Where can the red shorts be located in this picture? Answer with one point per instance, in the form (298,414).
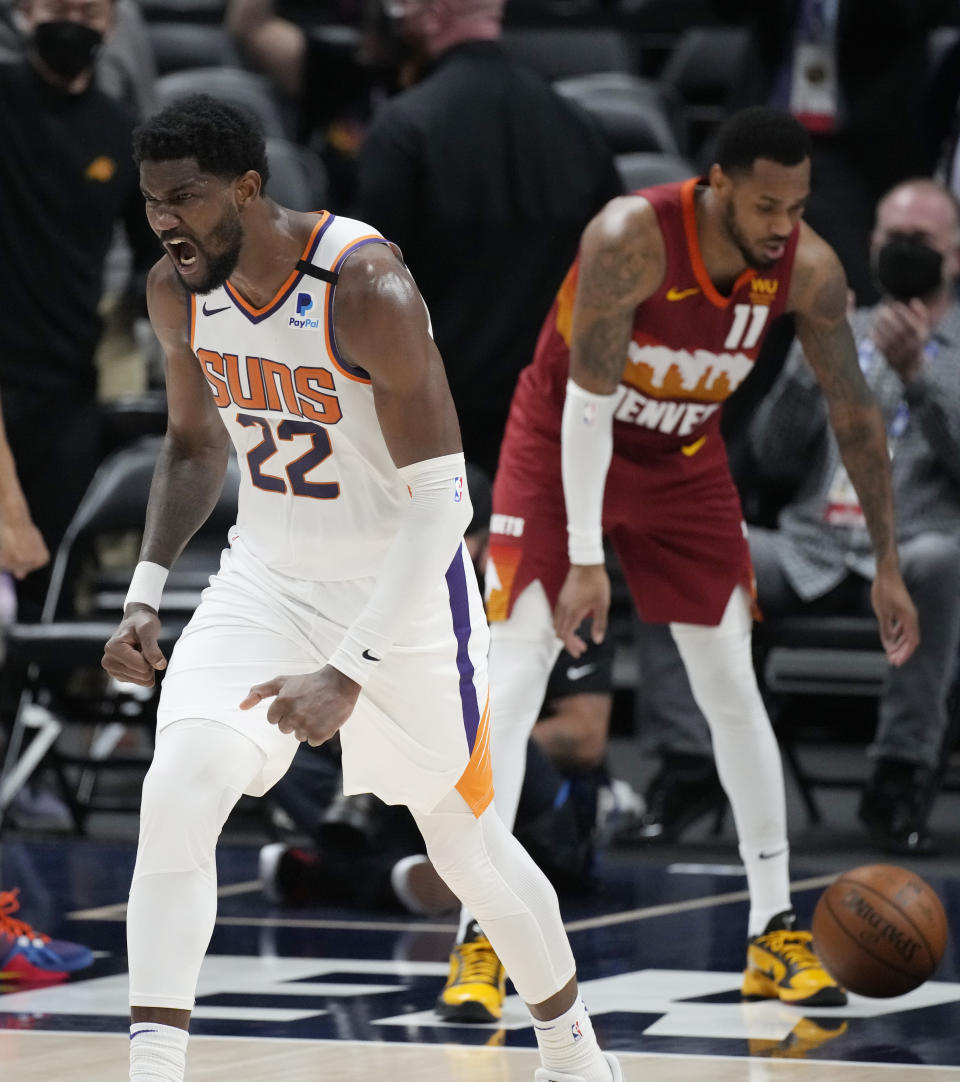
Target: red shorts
(674,521)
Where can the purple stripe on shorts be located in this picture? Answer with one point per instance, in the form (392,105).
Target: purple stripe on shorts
(460,611)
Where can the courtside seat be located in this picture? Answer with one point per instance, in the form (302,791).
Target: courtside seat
(52,677)
(194,11)
(815,656)
(702,71)
(298,178)
(634,114)
(647,168)
(821,655)
(243,89)
(178,46)
(558,52)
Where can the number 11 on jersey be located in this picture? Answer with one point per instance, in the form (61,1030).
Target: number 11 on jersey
(748,323)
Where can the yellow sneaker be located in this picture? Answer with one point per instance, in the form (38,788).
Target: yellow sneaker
(477,985)
(781,965)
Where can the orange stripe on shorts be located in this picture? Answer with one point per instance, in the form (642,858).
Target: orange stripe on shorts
(476,782)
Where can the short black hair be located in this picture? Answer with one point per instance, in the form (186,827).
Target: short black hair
(761,132)
(224,140)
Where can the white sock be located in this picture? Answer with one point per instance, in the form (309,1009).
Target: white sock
(768,879)
(466,919)
(157,1053)
(568,1044)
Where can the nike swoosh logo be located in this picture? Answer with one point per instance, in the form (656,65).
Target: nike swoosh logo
(578,672)
(213,311)
(367,656)
(680,294)
(692,448)
(775,853)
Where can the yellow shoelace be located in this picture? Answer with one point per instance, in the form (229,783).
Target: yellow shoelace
(479,964)
(794,947)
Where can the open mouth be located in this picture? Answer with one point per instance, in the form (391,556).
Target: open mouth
(182,252)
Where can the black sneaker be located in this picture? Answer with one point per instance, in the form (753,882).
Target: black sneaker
(895,804)
(686,789)
(289,876)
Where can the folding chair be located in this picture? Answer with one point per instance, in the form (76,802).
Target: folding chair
(816,655)
(827,655)
(80,612)
(558,52)
(634,114)
(298,178)
(243,89)
(645,169)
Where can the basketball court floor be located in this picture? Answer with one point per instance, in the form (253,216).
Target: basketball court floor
(327,995)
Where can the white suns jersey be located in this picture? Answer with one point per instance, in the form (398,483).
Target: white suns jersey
(320,496)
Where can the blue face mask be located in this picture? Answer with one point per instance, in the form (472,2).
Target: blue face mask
(67,48)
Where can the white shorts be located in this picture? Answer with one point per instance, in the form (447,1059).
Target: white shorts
(421,725)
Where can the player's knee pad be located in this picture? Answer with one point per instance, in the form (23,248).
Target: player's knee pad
(198,772)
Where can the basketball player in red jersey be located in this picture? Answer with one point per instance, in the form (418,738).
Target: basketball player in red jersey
(618,420)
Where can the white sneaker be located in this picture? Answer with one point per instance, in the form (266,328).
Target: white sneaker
(617,805)
(268,862)
(419,888)
(545,1075)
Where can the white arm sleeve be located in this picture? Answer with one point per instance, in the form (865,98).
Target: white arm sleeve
(427,541)
(586,448)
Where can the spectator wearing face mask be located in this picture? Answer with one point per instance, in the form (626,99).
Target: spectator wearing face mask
(819,561)
(66,177)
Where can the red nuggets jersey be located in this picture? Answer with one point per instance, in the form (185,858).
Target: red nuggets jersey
(670,506)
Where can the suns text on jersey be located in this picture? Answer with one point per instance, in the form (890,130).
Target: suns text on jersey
(258,383)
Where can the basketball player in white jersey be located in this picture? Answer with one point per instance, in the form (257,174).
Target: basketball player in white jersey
(345,601)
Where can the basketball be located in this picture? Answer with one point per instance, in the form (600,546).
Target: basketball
(880,930)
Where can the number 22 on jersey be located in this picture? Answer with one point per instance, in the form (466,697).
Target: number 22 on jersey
(288,430)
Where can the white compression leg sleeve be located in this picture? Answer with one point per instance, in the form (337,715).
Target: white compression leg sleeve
(719,664)
(199,770)
(495,877)
(523,650)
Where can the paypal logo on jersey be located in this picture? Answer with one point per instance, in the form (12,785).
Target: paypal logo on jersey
(301,319)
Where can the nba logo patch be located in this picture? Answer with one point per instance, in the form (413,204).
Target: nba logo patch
(576,1032)
(458,490)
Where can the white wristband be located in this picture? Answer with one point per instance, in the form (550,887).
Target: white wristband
(586,447)
(146,585)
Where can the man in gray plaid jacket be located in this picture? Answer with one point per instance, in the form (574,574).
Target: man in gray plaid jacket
(819,559)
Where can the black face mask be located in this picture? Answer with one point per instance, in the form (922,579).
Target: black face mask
(67,48)
(908,268)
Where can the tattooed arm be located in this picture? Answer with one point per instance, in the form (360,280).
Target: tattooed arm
(622,262)
(818,298)
(187,479)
